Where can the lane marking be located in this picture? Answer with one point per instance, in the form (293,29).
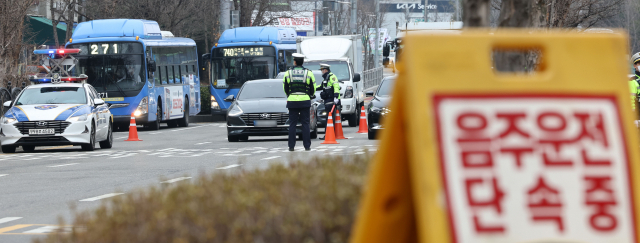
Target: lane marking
(15,227)
(359,153)
(42,230)
(122,137)
(268,158)
(101,197)
(177,179)
(155,133)
(202,143)
(7,219)
(62,165)
(228,167)
(4,175)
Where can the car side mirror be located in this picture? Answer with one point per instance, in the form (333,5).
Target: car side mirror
(356,77)
(98,102)
(151,65)
(369,93)
(230,98)
(7,104)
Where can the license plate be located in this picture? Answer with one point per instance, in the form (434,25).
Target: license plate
(265,123)
(42,131)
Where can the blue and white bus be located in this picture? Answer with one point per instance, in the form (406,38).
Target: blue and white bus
(139,70)
(244,54)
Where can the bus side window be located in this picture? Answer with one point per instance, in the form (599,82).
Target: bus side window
(178,74)
(170,74)
(158,76)
(164,75)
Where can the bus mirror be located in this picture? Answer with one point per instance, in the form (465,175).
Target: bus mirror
(151,65)
(206,57)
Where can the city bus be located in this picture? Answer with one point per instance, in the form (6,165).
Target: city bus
(139,70)
(247,53)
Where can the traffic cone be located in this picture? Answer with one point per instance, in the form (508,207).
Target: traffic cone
(133,130)
(338,128)
(329,136)
(363,122)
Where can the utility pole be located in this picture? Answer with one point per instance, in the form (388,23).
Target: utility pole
(354,12)
(377,40)
(426,10)
(225,15)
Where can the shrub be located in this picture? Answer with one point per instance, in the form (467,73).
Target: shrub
(205,99)
(311,201)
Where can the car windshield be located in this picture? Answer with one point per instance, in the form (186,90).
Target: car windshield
(339,68)
(52,95)
(316,74)
(386,87)
(117,75)
(261,90)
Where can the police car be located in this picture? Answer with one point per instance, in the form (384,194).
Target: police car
(56,111)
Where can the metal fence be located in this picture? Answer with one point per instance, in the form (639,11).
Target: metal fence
(372,77)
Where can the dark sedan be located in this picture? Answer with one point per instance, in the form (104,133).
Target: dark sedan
(377,108)
(260,110)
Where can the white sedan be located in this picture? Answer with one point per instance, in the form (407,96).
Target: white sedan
(56,114)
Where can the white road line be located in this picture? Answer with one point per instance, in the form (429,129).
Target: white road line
(348,137)
(359,153)
(101,197)
(62,165)
(122,137)
(155,133)
(7,219)
(42,230)
(202,143)
(4,175)
(177,179)
(228,167)
(268,158)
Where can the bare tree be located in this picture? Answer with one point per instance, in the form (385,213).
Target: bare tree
(476,13)
(12,18)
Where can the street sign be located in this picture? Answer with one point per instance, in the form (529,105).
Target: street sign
(475,155)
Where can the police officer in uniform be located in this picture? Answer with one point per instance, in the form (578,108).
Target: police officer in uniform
(634,82)
(299,85)
(330,90)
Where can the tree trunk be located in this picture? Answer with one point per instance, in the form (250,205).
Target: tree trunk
(54,24)
(476,13)
(70,8)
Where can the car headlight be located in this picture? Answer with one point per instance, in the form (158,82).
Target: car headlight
(375,109)
(7,120)
(348,94)
(214,103)
(235,111)
(324,113)
(385,111)
(143,107)
(78,118)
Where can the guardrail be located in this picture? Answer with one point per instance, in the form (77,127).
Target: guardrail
(372,77)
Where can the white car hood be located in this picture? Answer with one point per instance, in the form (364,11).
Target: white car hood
(58,112)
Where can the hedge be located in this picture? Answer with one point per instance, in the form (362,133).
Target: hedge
(205,100)
(306,201)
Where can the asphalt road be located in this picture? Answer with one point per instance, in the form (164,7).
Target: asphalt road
(36,188)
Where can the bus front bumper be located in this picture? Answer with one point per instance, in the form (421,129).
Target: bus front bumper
(122,120)
(218,112)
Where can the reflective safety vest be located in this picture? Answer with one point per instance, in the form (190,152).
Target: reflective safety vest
(634,92)
(299,81)
(330,87)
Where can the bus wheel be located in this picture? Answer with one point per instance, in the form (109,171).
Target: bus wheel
(155,125)
(172,123)
(184,121)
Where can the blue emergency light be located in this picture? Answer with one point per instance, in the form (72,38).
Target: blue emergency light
(56,51)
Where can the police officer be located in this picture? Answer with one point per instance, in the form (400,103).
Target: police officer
(634,82)
(330,90)
(299,85)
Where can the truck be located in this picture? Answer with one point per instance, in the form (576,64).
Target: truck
(344,54)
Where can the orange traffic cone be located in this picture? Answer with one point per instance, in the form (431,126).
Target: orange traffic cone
(133,130)
(329,136)
(338,128)
(363,122)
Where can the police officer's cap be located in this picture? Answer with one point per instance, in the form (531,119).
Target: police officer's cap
(297,56)
(635,58)
(324,66)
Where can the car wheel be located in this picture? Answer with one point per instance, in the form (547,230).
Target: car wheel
(92,140)
(184,121)
(8,149)
(353,120)
(314,133)
(28,148)
(233,138)
(371,134)
(109,142)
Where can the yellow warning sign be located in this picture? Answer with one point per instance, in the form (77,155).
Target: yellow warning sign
(472,154)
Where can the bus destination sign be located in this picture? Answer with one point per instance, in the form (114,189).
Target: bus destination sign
(243,51)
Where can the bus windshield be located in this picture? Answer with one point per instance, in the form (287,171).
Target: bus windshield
(115,70)
(339,68)
(232,67)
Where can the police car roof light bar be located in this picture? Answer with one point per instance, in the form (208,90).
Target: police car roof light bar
(56,51)
(58,59)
